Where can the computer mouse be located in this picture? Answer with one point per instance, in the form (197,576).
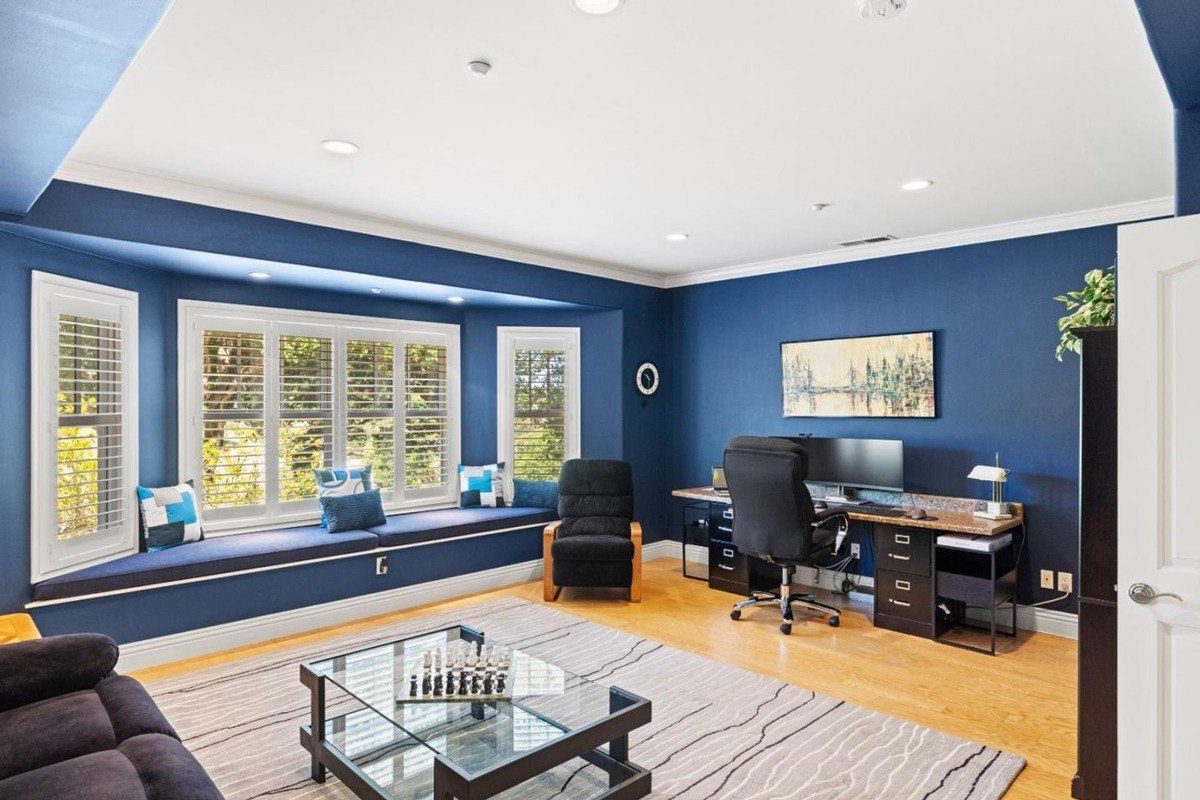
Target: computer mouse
(820,504)
(916,513)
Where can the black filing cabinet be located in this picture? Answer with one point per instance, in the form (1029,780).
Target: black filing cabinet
(903,588)
(728,569)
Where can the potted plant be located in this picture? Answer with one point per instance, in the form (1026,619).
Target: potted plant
(1094,306)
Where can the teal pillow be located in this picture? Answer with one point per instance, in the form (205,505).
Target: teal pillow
(535,494)
(352,512)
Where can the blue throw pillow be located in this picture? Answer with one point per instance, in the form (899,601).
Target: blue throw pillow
(170,516)
(352,512)
(338,482)
(535,494)
(481,486)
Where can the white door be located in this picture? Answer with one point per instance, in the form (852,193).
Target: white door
(1158,320)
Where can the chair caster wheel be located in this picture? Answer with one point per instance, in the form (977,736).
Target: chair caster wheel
(835,622)
(786,629)
(735,614)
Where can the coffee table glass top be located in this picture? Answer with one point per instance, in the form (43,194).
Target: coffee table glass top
(394,738)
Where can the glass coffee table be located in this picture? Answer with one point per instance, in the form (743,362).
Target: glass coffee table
(388,737)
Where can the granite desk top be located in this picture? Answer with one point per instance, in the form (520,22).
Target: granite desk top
(945,513)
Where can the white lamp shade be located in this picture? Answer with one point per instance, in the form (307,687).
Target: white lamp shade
(986,473)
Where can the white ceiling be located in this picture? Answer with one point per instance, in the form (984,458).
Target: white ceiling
(594,136)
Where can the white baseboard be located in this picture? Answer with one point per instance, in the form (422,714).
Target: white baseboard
(1041,620)
(190,644)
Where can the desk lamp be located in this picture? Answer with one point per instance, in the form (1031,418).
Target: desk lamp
(998,476)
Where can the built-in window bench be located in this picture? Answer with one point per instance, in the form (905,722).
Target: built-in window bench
(221,556)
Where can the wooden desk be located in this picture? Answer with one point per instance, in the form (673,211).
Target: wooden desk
(17,628)
(905,550)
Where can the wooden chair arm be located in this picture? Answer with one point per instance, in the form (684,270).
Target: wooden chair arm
(635,533)
(551,531)
(635,588)
(548,536)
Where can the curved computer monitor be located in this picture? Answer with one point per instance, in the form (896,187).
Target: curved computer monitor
(856,463)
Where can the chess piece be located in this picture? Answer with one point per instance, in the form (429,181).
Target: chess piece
(427,684)
(412,686)
(437,684)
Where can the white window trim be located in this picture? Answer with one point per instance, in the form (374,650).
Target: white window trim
(48,556)
(507,340)
(399,331)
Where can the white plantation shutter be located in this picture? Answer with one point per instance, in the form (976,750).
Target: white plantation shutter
(270,395)
(305,420)
(538,405)
(426,416)
(233,399)
(84,394)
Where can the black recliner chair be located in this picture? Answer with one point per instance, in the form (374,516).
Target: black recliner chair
(596,543)
(774,518)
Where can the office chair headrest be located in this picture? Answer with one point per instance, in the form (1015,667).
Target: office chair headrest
(770,444)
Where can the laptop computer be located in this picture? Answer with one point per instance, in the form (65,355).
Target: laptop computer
(718,481)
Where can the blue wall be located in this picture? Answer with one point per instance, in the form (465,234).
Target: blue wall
(998,384)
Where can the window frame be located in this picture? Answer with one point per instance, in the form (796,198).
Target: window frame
(52,295)
(508,339)
(195,316)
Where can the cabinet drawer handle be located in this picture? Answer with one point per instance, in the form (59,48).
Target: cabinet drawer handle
(899,558)
(723,529)
(728,553)
(727,513)
(902,538)
(725,567)
(904,586)
(900,603)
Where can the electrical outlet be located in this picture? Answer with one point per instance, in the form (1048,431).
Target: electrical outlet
(855,550)
(1047,579)
(381,565)
(1064,582)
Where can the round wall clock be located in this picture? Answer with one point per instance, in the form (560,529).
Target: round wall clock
(647,379)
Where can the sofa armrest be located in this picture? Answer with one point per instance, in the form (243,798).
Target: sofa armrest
(42,668)
(635,588)
(548,536)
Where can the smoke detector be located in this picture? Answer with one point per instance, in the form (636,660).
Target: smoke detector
(882,9)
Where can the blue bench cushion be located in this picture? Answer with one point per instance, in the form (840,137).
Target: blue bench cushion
(428,526)
(212,556)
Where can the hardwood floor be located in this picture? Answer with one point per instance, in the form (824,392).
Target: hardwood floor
(1022,701)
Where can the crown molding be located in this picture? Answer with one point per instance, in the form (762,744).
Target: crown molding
(1108,215)
(185,191)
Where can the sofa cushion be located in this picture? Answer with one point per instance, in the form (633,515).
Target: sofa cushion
(585,547)
(40,668)
(130,709)
(427,526)
(46,732)
(212,556)
(99,776)
(167,770)
(606,574)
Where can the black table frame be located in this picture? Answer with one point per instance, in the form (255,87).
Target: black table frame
(627,781)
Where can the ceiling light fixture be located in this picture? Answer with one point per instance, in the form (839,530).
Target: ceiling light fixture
(597,6)
(881,9)
(340,147)
(916,186)
(820,206)
(456,300)
(677,237)
(261,276)
(376,290)
(479,68)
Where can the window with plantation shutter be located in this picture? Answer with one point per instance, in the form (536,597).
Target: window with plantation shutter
(538,400)
(270,395)
(426,416)
(84,408)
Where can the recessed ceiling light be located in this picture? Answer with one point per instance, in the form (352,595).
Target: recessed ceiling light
(340,147)
(916,186)
(456,300)
(479,68)
(677,237)
(597,6)
(261,276)
(376,290)
(820,206)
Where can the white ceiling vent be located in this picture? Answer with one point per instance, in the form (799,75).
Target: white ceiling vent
(871,240)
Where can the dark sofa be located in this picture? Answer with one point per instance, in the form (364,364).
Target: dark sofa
(72,729)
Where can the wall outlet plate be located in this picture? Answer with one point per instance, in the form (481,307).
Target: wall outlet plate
(1047,579)
(1064,582)
(855,550)
(381,565)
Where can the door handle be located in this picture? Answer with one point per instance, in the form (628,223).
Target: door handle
(1142,594)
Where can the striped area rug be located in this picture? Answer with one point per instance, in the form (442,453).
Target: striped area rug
(718,731)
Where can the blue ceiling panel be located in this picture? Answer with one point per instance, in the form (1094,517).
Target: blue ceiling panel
(1173,27)
(59,60)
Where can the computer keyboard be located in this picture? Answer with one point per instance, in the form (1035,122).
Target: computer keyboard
(881,511)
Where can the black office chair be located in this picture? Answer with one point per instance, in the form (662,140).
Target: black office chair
(774,519)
